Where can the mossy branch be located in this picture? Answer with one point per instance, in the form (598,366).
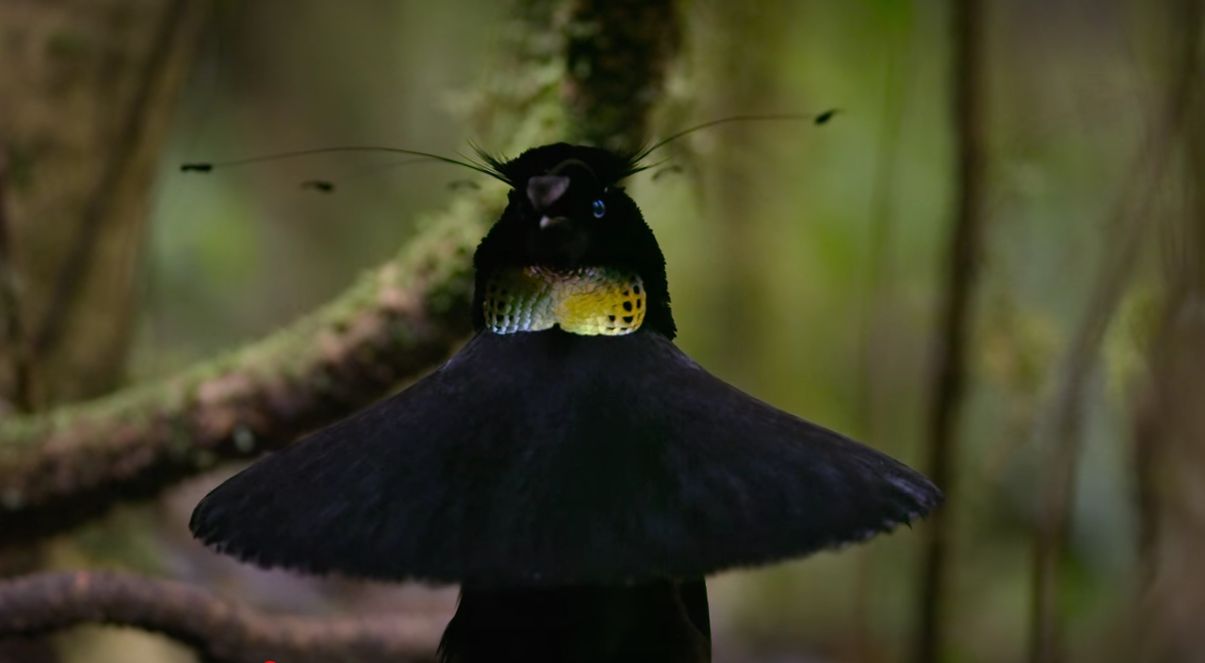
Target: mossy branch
(219,630)
(616,56)
(60,468)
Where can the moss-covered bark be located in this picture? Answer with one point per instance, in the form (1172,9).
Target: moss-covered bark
(616,54)
(72,463)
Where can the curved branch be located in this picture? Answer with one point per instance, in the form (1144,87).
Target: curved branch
(61,468)
(218,629)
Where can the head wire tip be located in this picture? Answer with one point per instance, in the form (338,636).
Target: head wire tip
(322,186)
(824,117)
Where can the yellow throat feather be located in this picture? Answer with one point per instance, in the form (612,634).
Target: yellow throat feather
(592,301)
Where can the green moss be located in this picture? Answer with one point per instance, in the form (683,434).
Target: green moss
(19,166)
(67,45)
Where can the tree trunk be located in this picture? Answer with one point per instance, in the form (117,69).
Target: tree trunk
(1169,422)
(96,80)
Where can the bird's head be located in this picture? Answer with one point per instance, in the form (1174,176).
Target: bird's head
(571,249)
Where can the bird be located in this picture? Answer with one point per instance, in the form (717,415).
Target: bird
(574,471)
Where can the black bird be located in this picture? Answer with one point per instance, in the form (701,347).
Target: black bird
(573,470)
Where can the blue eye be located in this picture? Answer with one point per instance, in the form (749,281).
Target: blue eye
(600,208)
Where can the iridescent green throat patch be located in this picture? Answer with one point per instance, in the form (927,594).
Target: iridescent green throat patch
(591,301)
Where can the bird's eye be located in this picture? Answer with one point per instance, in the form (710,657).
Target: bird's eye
(600,208)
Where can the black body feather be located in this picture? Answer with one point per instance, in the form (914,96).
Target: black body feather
(663,622)
(548,459)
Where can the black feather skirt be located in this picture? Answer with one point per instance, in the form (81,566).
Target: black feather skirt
(551,459)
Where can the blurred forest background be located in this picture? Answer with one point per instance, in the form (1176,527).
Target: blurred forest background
(1059,348)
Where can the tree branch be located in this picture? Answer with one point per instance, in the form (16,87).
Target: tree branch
(58,469)
(221,631)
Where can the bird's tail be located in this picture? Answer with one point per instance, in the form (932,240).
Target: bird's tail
(665,622)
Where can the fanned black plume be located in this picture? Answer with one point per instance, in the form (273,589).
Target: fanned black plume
(551,459)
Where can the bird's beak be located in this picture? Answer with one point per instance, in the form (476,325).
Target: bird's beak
(547,222)
(544,191)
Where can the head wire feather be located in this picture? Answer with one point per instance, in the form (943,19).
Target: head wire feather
(207,166)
